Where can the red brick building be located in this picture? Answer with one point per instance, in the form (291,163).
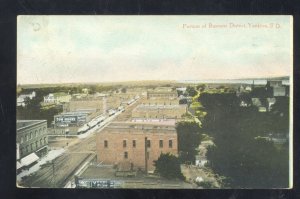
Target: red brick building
(132,142)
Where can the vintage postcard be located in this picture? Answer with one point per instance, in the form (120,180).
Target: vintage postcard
(154,102)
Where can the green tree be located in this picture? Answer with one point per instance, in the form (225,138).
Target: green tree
(183,101)
(239,154)
(168,166)
(191,91)
(201,87)
(189,138)
(205,184)
(123,90)
(255,163)
(179,93)
(280,115)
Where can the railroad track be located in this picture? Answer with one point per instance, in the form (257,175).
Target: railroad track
(66,165)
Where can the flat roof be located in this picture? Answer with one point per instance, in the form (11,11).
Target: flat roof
(74,113)
(168,122)
(152,106)
(27,123)
(141,125)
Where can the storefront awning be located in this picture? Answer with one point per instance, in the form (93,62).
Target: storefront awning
(29,159)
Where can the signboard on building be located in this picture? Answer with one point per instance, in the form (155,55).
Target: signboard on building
(66,119)
(97,183)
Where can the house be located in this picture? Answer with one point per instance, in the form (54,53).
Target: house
(279,91)
(21,99)
(57,98)
(248,88)
(85,90)
(256,102)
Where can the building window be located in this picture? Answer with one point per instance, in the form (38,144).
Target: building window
(36,144)
(133,143)
(31,147)
(27,148)
(40,131)
(126,155)
(41,142)
(21,139)
(45,140)
(21,151)
(170,143)
(124,143)
(105,144)
(35,133)
(161,143)
(26,137)
(148,143)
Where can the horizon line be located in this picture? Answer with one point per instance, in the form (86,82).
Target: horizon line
(182,80)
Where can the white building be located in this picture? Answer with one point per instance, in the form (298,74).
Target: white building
(183,89)
(279,91)
(21,98)
(56,98)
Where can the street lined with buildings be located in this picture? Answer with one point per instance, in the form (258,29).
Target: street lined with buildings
(68,163)
(112,140)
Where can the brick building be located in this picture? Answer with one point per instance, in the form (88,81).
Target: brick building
(93,103)
(161,101)
(32,141)
(166,93)
(122,142)
(159,111)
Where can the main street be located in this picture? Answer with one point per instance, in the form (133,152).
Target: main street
(62,169)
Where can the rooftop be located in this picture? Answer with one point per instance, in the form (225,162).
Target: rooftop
(26,123)
(75,113)
(162,90)
(160,106)
(142,125)
(169,122)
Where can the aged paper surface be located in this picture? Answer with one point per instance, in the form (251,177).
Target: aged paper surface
(173,102)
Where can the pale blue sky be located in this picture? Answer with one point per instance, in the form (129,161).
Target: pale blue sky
(61,49)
